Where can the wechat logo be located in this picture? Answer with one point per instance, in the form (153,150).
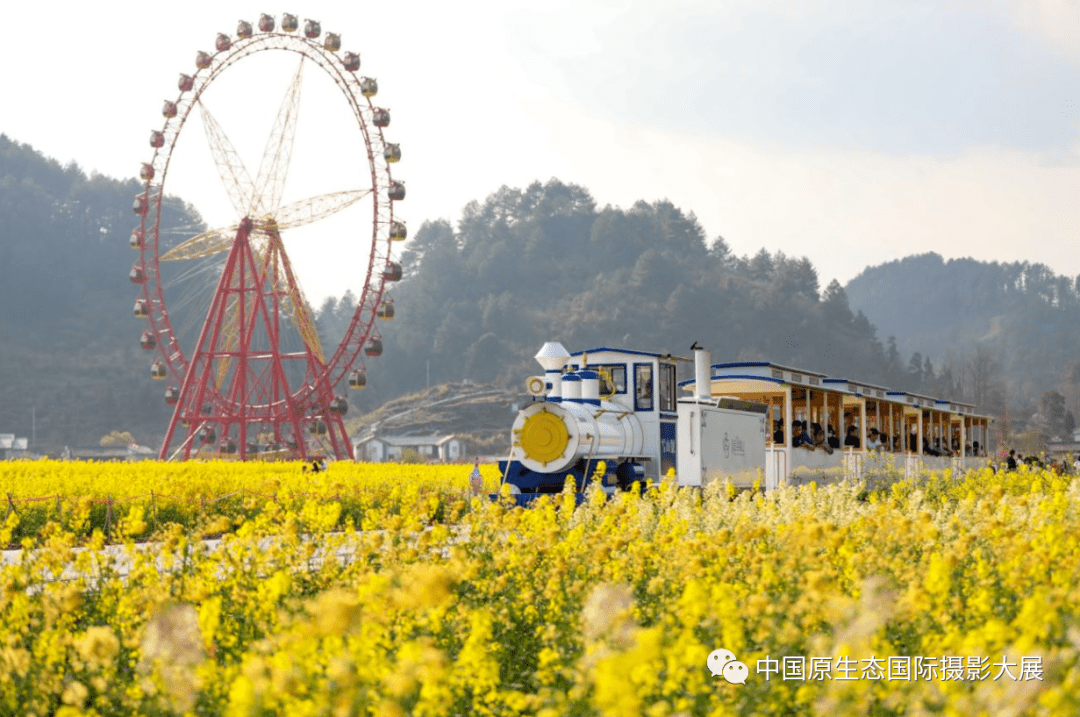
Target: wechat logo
(723,662)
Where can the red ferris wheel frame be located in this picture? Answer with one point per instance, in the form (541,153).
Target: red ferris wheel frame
(229,391)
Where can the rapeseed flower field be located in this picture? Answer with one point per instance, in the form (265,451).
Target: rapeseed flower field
(389,590)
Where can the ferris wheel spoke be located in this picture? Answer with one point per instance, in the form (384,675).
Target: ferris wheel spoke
(304,322)
(274,167)
(315,208)
(208,243)
(230,340)
(230,329)
(300,315)
(231,169)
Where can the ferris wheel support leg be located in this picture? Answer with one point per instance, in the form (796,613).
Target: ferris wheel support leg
(242,363)
(194,386)
(164,452)
(339,438)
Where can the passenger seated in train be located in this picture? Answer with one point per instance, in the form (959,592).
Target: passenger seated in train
(818,438)
(799,437)
(833,441)
(873,441)
(852,438)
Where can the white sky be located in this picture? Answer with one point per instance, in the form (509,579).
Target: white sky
(849,132)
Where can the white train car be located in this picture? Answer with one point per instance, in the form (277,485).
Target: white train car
(913,432)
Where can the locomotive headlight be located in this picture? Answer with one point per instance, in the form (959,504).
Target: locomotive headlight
(543,437)
(536,386)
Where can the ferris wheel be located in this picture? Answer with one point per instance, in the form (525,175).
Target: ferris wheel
(249,372)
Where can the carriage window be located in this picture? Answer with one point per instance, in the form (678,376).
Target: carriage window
(612,378)
(643,396)
(667,387)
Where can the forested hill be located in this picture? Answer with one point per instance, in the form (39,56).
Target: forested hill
(546,263)
(1023,315)
(69,348)
(479,297)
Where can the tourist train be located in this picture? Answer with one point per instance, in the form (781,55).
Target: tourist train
(616,416)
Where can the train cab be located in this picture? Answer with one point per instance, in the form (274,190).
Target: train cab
(606,414)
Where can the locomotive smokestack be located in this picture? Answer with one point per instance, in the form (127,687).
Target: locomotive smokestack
(552,357)
(702,372)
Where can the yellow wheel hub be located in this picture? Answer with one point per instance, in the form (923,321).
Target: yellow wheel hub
(543,437)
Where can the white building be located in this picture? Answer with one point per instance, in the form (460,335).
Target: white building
(12,447)
(379,449)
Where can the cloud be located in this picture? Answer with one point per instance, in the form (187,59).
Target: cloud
(844,209)
(1055,20)
(897,78)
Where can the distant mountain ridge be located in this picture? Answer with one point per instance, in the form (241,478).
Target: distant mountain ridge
(1026,316)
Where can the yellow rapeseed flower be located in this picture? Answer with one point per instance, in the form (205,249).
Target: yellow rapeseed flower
(99,646)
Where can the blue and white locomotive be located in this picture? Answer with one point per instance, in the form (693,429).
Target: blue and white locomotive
(614,414)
